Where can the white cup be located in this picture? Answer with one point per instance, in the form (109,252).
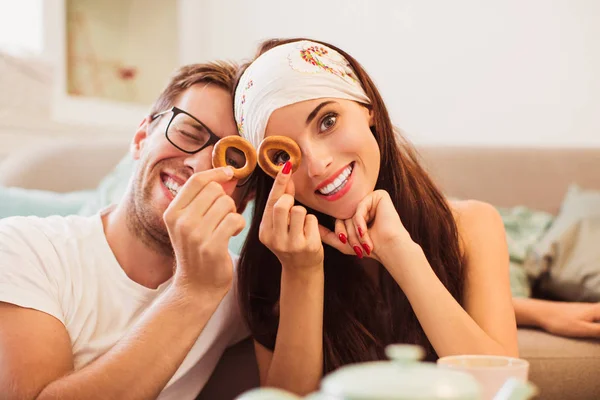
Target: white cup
(491,372)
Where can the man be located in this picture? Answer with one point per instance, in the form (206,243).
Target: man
(137,301)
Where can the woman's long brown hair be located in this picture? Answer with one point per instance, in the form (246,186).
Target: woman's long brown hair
(360,318)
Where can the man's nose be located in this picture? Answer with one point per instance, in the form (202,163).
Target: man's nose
(200,161)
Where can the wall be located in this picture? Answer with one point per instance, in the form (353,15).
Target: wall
(26,87)
(515,73)
(120,50)
(462,72)
(17,37)
(34,107)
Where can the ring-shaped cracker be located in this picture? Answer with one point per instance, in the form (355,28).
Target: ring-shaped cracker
(220,152)
(283,143)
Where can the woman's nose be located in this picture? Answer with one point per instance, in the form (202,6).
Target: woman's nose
(317,160)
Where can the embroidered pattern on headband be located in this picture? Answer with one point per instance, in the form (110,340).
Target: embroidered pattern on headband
(240,124)
(287,74)
(314,58)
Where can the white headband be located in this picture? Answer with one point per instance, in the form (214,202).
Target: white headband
(288,74)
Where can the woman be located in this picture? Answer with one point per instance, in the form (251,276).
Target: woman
(357,248)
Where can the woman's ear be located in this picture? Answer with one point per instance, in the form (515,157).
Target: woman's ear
(371,118)
(139,139)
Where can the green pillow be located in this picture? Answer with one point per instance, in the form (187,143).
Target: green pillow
(524,228)
(17,201)
(236,243)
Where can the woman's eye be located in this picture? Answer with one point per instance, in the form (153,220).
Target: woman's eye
(328,122)
(281,157)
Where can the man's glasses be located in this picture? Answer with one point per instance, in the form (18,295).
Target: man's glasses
(188,134)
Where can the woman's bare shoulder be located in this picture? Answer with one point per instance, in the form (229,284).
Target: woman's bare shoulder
(477,222)
(465,209)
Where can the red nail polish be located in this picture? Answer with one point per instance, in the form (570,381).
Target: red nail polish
(287,167)
(367,248)
(358,251)
(343,238)
(360,232)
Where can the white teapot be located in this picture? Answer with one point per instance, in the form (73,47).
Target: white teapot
(403,378)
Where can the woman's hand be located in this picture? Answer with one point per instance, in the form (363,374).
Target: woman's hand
(375,230)
(287,230)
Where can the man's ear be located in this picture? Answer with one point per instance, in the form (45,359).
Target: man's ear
(139,139)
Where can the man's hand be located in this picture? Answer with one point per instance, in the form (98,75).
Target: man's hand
(201,220)
(572,319)
(568,319)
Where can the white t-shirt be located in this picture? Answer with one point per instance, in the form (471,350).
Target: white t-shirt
(64,267)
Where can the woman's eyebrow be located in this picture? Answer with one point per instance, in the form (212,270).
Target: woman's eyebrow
(314,112)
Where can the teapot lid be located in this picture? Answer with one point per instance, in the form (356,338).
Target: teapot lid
(402,378)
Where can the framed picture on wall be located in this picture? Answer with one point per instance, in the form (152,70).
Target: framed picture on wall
(112,57)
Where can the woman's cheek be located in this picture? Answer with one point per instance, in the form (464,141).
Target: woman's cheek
(301,187)
(352,139)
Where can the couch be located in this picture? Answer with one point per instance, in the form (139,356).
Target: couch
(562,368)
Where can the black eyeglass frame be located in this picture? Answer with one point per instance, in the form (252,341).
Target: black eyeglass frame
(213,139)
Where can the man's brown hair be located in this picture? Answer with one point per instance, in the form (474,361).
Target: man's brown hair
(220,73)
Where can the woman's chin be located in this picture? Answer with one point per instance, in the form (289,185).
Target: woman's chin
(344,213)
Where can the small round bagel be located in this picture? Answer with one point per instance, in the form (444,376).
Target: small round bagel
(219,158)
(282,143)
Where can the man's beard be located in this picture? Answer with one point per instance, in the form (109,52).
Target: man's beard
(143,220)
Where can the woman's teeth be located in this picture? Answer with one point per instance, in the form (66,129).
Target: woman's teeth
(172,186)
(338,183)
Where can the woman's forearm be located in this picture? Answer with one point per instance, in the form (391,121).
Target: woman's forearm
(449,328)
(297,363)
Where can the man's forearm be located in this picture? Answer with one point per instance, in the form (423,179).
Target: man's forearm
(143,361)
(528,311)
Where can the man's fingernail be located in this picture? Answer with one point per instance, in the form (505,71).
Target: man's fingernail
(367,248)
(360,232)
(358,251)
(287,168)
(343,238)
(229,171)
